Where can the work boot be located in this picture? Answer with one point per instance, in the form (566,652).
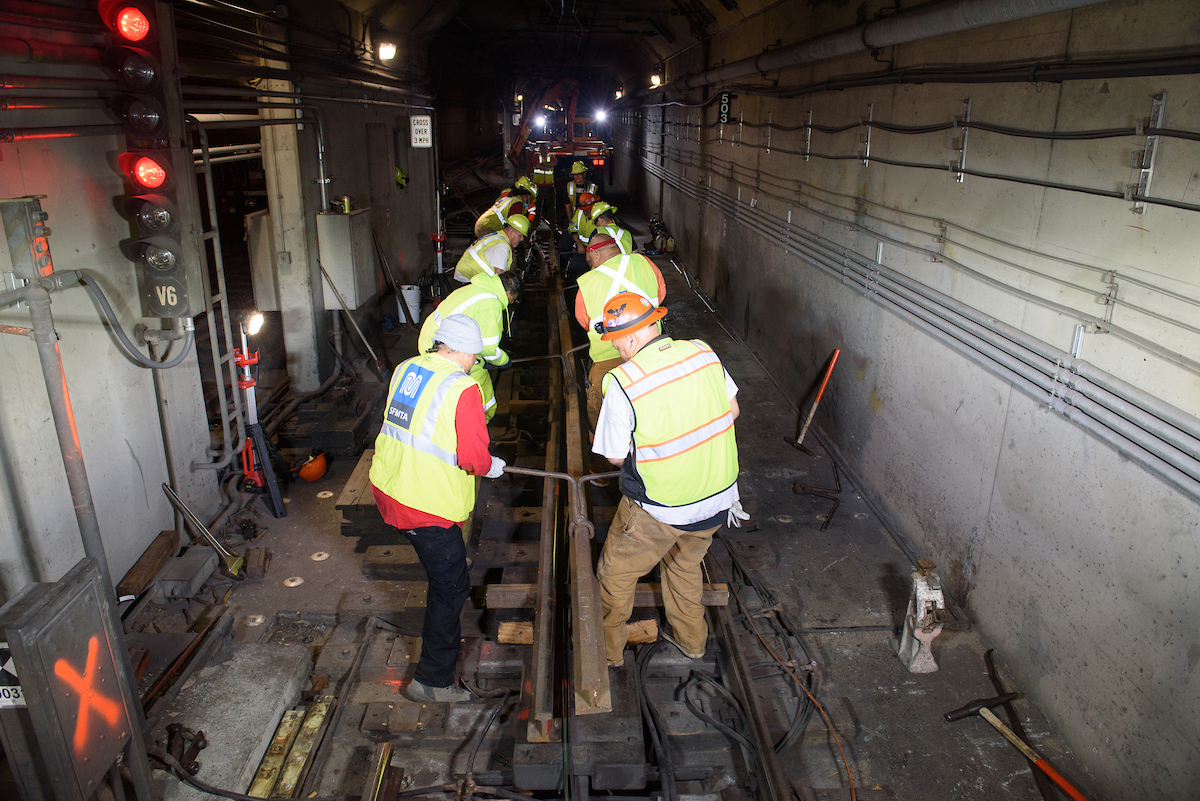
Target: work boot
(423,693)
(662,633)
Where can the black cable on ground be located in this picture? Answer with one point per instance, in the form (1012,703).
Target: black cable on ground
(696,677)
(666,767)
(483,734)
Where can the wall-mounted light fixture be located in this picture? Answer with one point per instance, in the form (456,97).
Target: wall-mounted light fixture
(387,51)
(620,93)
(655,79)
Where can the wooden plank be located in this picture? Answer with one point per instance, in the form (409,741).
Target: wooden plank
(524,596)
(516,633)
(357,492)
(148,565)
(642,631)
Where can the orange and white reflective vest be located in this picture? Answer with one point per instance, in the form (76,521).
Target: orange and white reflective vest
(684,449)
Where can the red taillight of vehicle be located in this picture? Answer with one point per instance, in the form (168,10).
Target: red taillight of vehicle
(132,24)
(148,172)
(597,162)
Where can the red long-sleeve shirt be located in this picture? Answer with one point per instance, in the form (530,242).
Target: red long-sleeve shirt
(470,427)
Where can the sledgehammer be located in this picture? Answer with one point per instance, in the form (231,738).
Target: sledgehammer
(980,706)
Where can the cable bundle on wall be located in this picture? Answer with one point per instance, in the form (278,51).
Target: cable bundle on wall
(1156,434)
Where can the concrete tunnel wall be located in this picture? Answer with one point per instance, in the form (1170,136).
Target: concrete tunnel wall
(113,398)
(1078,564)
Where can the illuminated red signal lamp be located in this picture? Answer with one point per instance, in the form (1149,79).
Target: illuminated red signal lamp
(597,162)
(131,24)
(144,170)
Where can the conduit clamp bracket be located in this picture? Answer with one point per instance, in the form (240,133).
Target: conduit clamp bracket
(808,136)
(1143,160)
(961,144)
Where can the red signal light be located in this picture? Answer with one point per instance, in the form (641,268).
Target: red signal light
(132,24)
(597,162)
(148,172)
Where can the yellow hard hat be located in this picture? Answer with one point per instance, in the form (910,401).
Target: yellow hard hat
(525,182)
(520,222)
(603,208)
(578,169)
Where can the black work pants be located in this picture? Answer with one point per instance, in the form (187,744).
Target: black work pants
(444,557)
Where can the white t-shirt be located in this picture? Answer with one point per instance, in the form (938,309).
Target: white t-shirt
(497,258)
(614,440)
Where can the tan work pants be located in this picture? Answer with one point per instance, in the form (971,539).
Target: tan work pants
(636,543)
(595,398)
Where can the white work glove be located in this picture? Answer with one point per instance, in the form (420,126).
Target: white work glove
(736,515)
(498,469)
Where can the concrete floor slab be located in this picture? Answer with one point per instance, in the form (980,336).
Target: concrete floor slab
(237,700)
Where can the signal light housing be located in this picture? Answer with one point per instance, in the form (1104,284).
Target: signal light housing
(142,116)
(154,215)
(145,170)
(136,69)
(597,162)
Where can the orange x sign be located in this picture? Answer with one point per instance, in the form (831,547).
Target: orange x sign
(88,697)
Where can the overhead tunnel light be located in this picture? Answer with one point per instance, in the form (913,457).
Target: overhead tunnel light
(655,79)
(540,121)
(387,51)
(601,115)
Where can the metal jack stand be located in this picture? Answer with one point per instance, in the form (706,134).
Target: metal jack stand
(256,459)
(823,492)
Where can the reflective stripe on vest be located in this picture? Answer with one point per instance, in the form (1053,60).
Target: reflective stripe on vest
(619,284)
(462,308)
(641,383)
(683,447)
(423,442)
(622,237)
(684,442)
(416,460)
(476,250)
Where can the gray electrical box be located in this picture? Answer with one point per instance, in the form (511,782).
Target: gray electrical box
(348,255)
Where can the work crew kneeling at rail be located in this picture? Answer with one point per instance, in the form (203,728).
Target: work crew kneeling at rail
(493,253)
(434,439)
(485,300)
(581,230)
(667,422)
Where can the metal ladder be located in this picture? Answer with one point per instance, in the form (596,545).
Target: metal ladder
(234,441)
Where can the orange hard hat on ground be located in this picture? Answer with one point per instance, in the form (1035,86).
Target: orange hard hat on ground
(314,468)
(587,199)
(626,313)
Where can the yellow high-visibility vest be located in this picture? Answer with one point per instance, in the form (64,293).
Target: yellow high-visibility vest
(684,449)
(416,452)
(619,274)
(493,219)
(473,262)
(484,301)
(623,238)
(574,190)
(543,171)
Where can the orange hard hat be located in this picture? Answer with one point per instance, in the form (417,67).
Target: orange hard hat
(314,468)
(587,199)
(626,313)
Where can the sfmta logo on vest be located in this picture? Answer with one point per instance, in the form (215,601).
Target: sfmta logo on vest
(408,392)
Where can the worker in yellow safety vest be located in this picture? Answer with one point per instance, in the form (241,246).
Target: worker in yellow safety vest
(517,199)
(578,185)
(485,300)
(604,218)
(611,273)
(667,422)
(433,442)
(492,254)
(543,180)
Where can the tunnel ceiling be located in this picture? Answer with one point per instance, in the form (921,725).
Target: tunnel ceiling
(528,43)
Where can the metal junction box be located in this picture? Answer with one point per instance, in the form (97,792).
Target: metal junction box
(347,252)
